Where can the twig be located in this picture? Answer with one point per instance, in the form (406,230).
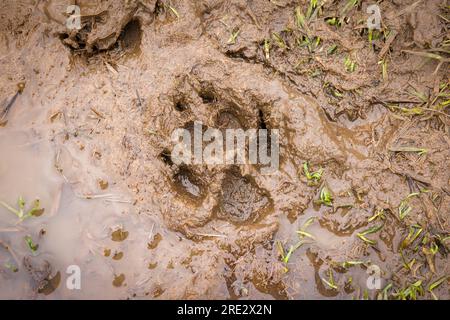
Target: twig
(211,235)
(8,107)
(388,43)
(107,197)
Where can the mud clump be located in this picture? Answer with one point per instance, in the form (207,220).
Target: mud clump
(110,25)
(40,271)
(241,199)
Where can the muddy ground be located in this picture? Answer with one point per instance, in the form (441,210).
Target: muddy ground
(86,122)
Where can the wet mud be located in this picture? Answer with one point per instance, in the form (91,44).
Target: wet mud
(86,119)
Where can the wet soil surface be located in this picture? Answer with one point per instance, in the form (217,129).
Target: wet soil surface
(86,123)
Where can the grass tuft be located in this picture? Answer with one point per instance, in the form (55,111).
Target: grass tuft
(21,213)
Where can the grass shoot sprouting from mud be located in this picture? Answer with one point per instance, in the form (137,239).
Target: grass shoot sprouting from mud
(435,285)
(20,212)
(330,281)
(332,49)
(279,41)
(334,21)
(411,292)
(267,49)
(302,234)
(302,20)
(426,105)
(349,64)
(173,10)
(378,215)
(11,267)
(233,36)
(404,208)
(427,246)
(325,197)
(350,5)
(311,43)
(384,68)
(312,6)
(30,243)
(384,294)
(371,230)
(348,264)
(313,177)
(285,256)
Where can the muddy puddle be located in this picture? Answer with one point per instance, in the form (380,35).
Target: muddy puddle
(94,205)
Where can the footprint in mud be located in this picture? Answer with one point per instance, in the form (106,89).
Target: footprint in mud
(241,199)
(130,37)
(214,191)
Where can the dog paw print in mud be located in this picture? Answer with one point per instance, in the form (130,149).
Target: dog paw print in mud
(206,195)
(229,201)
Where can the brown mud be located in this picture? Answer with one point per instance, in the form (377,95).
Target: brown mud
(89,134)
